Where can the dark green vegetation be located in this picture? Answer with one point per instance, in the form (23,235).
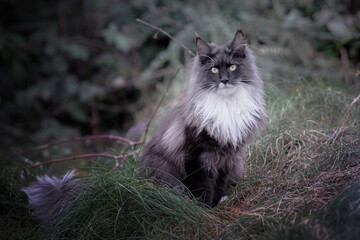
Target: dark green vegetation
(74,68)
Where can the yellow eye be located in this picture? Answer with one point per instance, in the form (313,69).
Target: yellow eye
(214,70)
(232,67)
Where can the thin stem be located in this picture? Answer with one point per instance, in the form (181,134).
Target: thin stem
(166,34)
(89,155)
(160,102)
(111,137)
(341,126)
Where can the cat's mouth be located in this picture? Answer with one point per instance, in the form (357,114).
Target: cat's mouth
(225,85)
(226,89)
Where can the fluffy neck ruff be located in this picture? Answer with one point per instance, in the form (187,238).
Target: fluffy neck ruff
(229,118)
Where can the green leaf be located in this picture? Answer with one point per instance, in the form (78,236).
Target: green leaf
(76,51)
(114,37)
(339,29)
(76,111)
(121,42)
(89,91)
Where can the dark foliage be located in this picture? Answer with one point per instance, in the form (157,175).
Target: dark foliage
(84,64)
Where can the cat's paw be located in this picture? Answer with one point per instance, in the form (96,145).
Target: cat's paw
(223,199)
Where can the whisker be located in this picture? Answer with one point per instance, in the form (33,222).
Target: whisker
(253,46)
(271,85)
(203,55)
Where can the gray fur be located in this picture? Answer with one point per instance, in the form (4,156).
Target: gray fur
(164,154)
(50,196)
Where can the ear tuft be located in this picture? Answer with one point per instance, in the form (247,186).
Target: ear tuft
(238,44)
(202,47)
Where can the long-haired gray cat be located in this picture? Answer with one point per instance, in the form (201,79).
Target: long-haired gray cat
(200,144)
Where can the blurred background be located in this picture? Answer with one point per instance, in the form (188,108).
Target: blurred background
(71,68)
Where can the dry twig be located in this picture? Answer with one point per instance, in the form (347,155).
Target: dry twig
(89,155)
(166,34)
(92,137)
(342,126)
(125,140)
(159,104)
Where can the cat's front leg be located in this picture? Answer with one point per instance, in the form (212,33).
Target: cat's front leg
(204,190)
(199,178)
(221,186)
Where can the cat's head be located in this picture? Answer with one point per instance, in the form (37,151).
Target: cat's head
(223,68)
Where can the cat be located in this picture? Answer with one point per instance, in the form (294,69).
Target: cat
(200,144)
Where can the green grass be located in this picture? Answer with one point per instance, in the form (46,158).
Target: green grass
(296,168)
(119,205)
(15,221)
(339,219)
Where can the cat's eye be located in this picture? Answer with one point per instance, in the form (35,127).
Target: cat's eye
(214,70)
(232,67)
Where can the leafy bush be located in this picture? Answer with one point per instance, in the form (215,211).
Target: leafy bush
(90,65)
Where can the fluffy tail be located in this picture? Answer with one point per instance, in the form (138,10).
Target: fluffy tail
(51,196)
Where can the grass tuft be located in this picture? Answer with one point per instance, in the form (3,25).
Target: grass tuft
(119,205)
(296,166)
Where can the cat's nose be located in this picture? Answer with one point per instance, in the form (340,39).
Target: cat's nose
(224,81)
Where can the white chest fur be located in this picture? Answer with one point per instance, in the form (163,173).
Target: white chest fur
(229,118)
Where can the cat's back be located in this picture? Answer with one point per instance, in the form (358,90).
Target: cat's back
(170,136)
(163,154)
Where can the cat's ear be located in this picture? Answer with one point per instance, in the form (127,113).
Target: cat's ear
(202,47)
(238,44)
